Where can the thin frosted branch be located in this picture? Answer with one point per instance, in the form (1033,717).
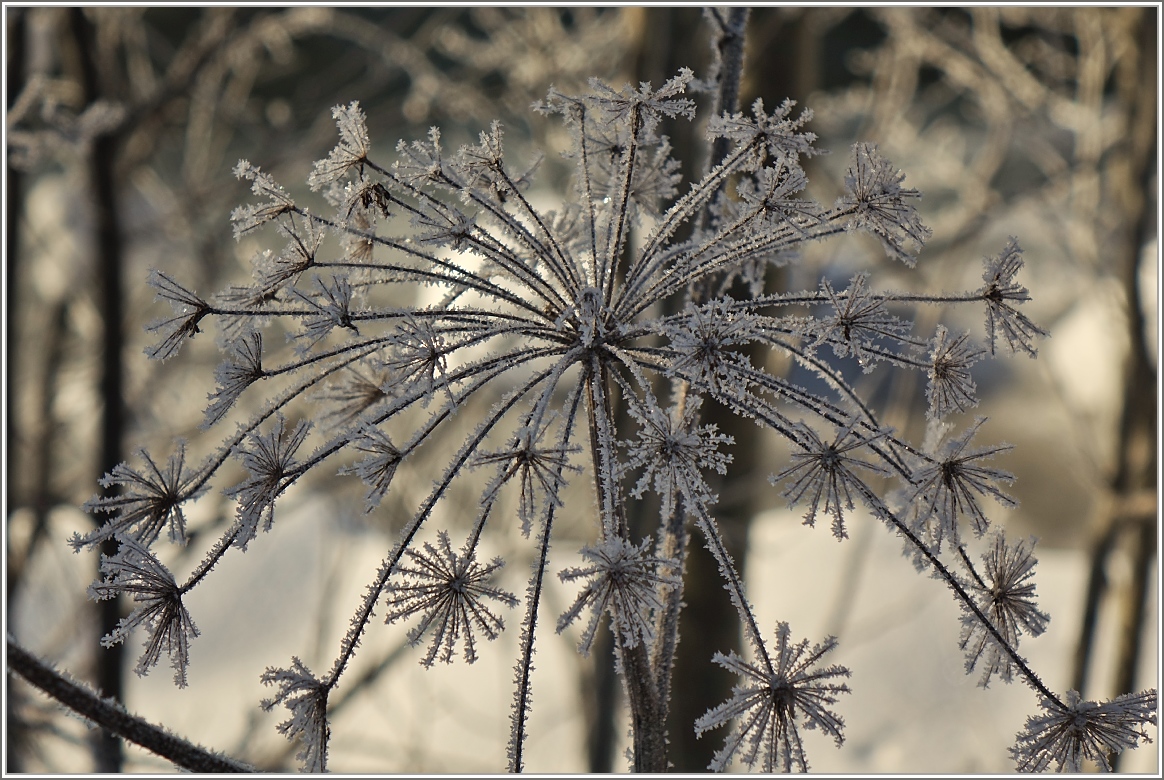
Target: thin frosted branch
(112,717)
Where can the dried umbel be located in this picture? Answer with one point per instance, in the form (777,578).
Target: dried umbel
(552,320)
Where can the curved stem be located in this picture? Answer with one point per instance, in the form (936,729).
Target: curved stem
(114,719)
(951,580)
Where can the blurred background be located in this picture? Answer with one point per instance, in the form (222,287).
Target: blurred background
(123,125)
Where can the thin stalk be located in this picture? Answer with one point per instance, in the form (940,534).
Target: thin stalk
(648,712)
(525,664)
(115,720)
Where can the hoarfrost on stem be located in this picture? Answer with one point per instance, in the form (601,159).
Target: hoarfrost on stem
(549,325)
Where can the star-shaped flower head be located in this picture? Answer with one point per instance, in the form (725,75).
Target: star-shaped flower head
(826,471)
(624,581)
(766,137)
(858,323)
(950,487)
(880,204)
(134,571)
(769,198)
(306,697)
(950,387)
(251,217)
(273,273)
(350,152)
(1001,295)
(644,106)
(270,459)
(189,310)
(448,590)
(1083,730)
(701,346)
(240,370)
(771,697)
(418,356)
(378,467)
(539,469)
(1006,595)
(147,500)
(357,390)
(674,453)
(330,307)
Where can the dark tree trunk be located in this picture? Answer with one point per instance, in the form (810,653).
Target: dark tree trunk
(108,245)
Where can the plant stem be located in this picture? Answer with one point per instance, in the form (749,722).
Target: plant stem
(648,711)
(115,720)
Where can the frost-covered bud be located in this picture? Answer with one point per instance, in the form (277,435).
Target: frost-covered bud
(306,698)
(624,580)
(1077,730)
(249,218)
(350,152)
(1001,293)
(878,204)
(134,571)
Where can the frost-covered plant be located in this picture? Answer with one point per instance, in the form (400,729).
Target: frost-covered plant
(558,318)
